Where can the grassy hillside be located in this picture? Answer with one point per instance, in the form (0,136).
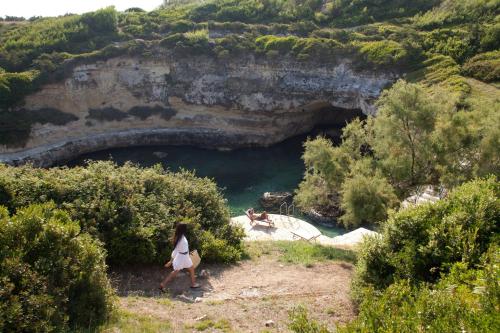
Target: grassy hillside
(382,33)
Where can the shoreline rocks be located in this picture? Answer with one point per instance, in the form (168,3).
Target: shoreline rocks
(271,201)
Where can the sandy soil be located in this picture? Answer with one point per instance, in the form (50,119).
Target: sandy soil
(246,295)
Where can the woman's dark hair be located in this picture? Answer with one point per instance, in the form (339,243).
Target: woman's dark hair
(180,230)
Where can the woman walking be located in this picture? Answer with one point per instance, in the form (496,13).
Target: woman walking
(180,257)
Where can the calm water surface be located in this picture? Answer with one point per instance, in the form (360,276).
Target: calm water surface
(243,174)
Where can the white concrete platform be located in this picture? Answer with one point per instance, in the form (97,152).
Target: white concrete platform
(291,228)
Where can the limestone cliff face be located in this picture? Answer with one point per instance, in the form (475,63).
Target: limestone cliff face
(196,100)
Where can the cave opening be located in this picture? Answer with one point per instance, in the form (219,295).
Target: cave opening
(329,120)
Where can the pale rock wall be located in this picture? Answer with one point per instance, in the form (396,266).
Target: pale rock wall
(218,104)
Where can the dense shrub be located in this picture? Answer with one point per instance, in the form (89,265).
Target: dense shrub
(458,11)
(491,38)
(467,303)
(52,277)
(131,210)
(21,45)
(193,42)
(436,268)
(366,199)
(14,86)
(458,43)
(421,243)
(383,53)
(319,49)
(484,67)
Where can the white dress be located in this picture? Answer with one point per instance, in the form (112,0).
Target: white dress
(181,260)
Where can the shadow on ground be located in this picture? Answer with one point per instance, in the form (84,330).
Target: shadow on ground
(144,281)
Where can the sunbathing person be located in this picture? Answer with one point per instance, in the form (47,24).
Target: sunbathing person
(257,217)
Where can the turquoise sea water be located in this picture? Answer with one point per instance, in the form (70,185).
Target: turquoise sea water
(242,174)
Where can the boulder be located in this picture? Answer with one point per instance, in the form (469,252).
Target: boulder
(271,201)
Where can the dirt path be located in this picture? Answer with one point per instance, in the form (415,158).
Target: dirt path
(241,298)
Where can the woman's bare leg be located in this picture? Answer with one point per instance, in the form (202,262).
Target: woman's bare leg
(193,277)
(169,278)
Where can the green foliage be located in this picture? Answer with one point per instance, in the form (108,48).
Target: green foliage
(366,198)
(402,130)
(435,268)
(52,277)
(441,71)
(131,210)
(484,67)
(21,45)
(464,300)
(458,11)
(458,43)
(314,49)
(422,243)
(193,42)
(326,168)
(301,323)
(471,136)
(491,38)
(383,53)
(350,13)
(14,86)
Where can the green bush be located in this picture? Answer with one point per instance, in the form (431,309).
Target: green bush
(464,300)
(491,39)
(314,49)
(52,277)
(458,43)
(383,53)
(131,210)
(366,199)
(422,243)
(484,67)
(14,86)
(458,12)
(401,308)
(440,70)
(301,323)
(455,246)
(193,42)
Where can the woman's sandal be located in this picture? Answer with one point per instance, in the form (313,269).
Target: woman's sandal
(196,286)
(162,289)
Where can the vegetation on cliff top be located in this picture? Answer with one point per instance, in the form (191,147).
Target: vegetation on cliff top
(392,34)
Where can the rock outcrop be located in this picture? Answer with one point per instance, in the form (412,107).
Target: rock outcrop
(195,100)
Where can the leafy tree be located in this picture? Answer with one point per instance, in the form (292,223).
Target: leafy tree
(326,168)
(366,196)
(402,133)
